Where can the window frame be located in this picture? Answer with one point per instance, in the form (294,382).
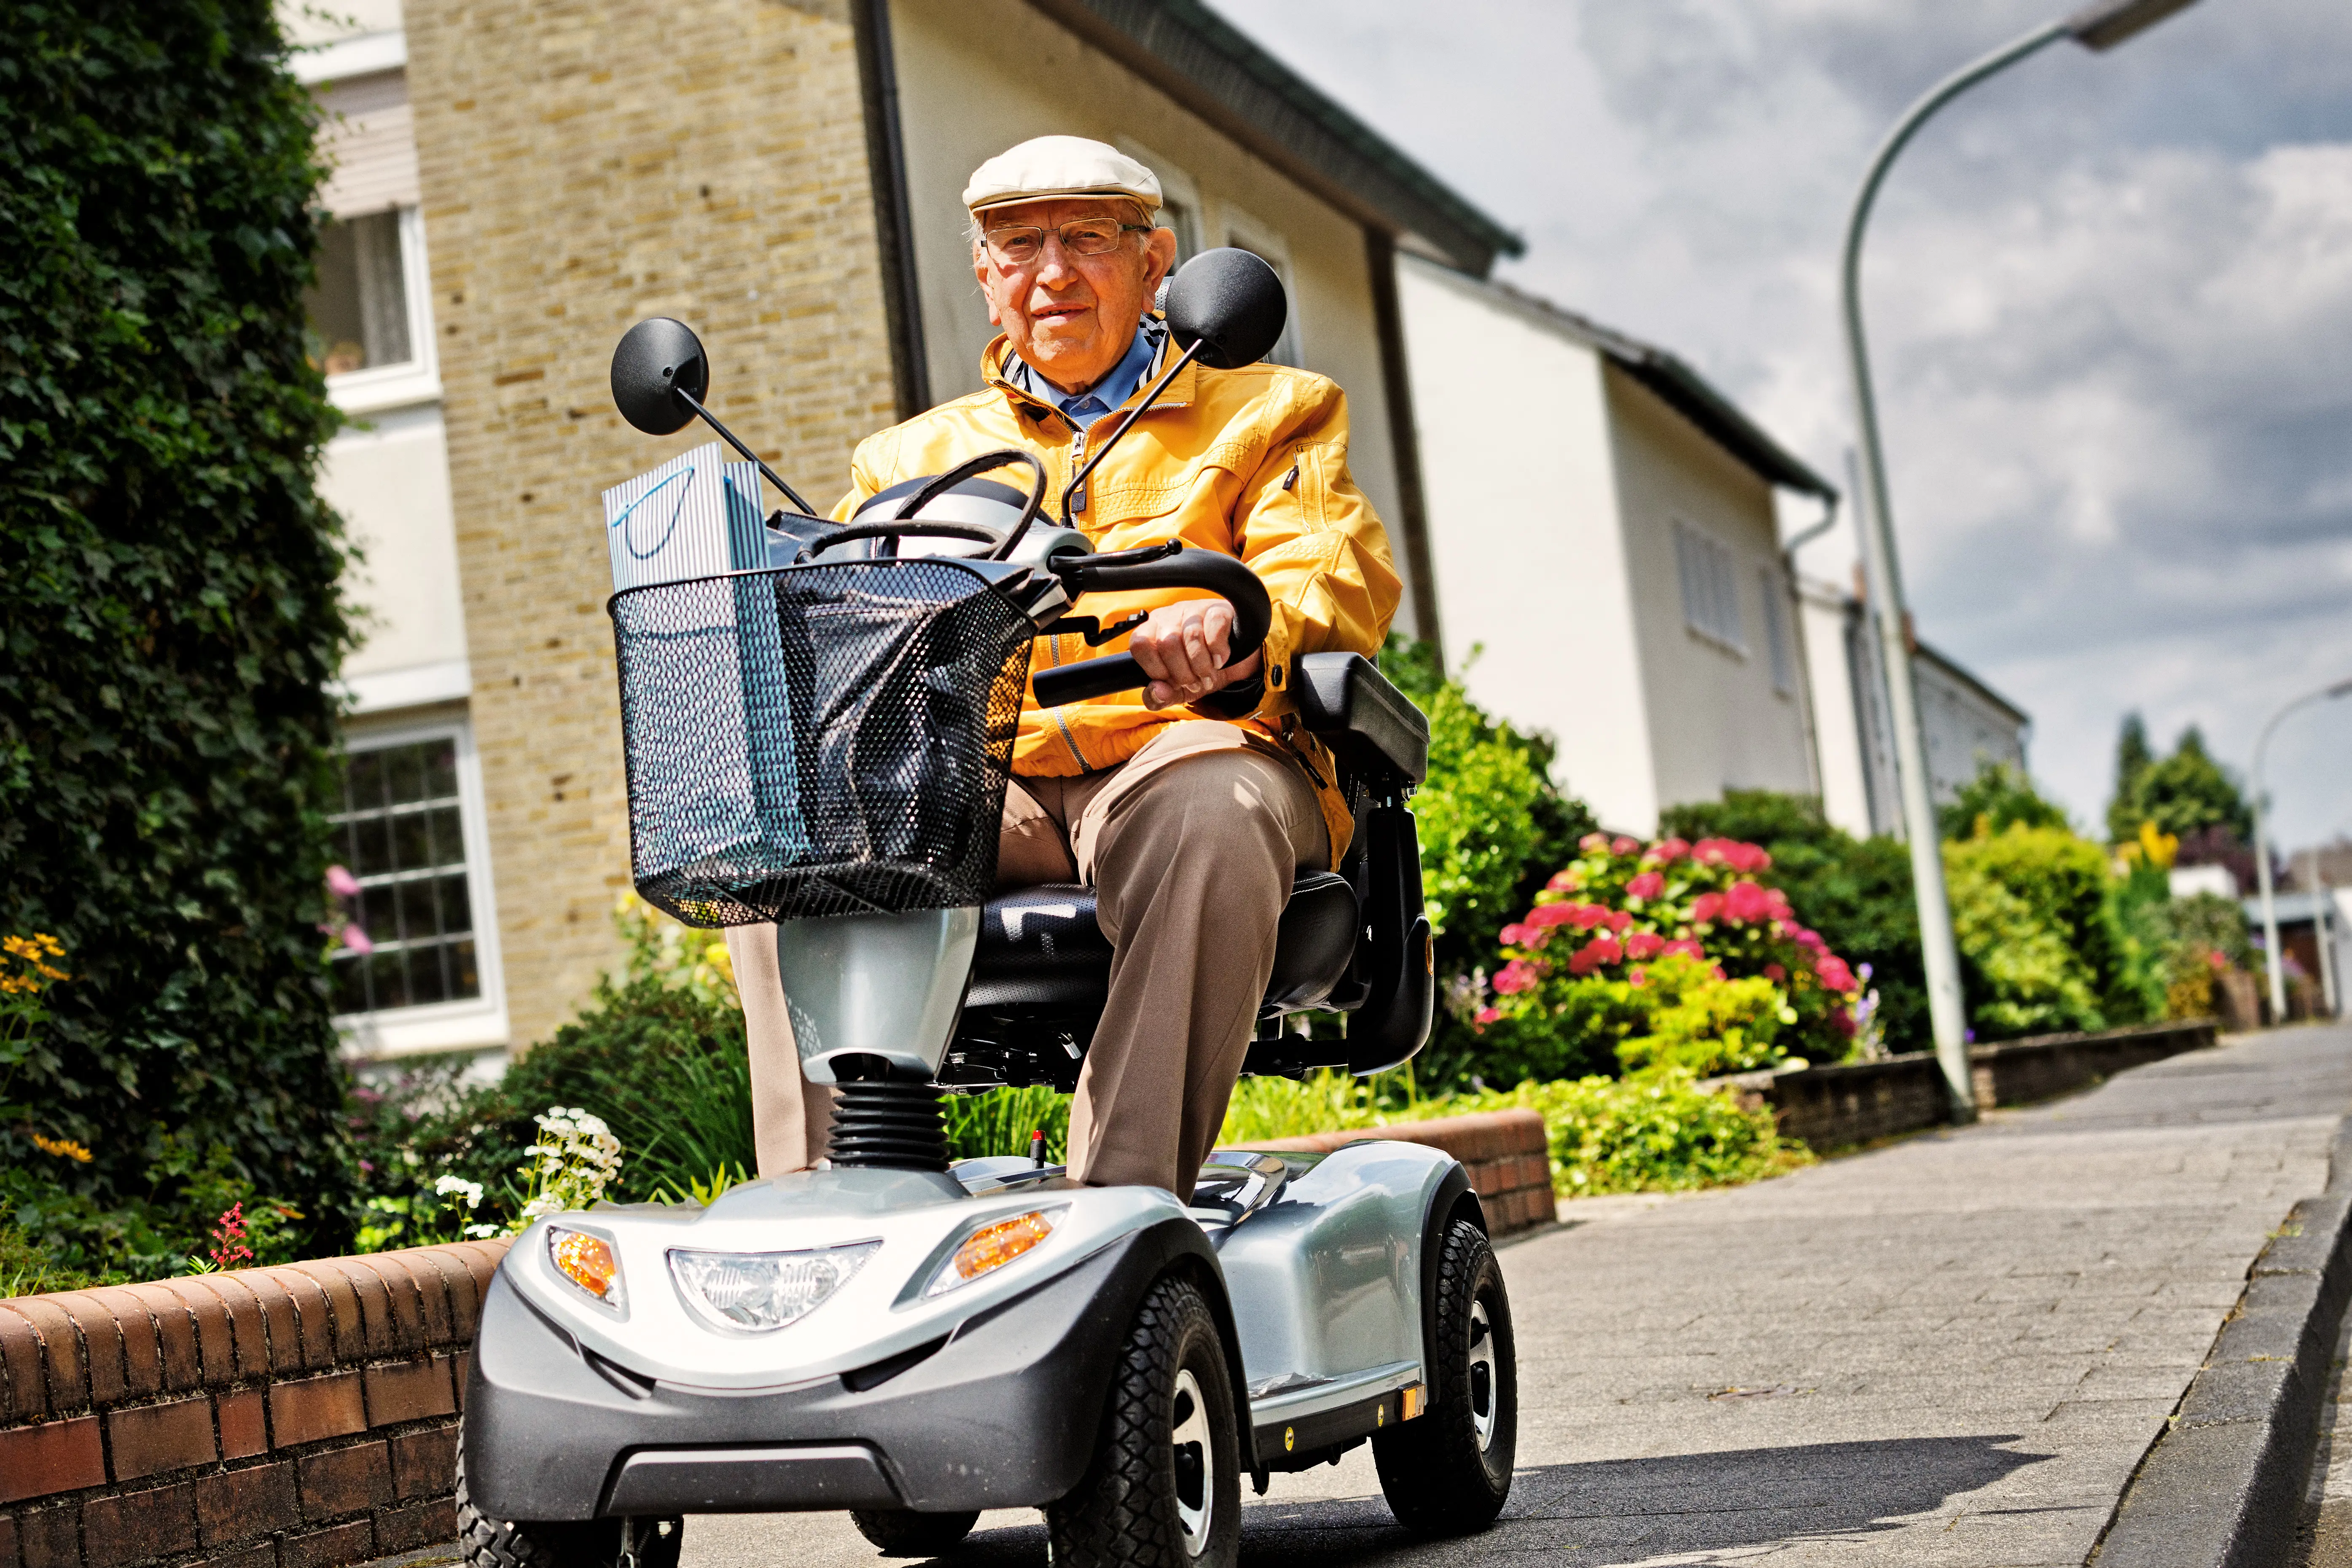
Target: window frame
(1267,243)
(473,1022)
(418,380)
(1778,644)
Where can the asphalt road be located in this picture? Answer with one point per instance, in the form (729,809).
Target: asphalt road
(1953,1351)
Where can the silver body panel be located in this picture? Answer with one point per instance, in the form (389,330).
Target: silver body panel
(1324,1274)
(876,985)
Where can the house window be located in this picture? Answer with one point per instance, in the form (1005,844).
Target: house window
(1710,584)
(359,309)
(401,833)
(1179,215)
(1776,632)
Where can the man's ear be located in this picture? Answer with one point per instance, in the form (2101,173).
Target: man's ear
(1161,250)
(980,271)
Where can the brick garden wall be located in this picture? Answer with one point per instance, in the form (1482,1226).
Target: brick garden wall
(1837,1107)
(1505,1154)
(296,1417)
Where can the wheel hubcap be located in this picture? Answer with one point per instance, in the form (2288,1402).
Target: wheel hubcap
(1195,1456)
(1482,1376)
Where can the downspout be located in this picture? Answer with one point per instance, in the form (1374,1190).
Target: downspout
(894,228)
(1404,439)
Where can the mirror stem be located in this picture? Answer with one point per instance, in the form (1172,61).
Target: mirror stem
(1078,481)
(733,440)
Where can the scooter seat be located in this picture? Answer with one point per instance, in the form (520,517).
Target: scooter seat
(1041,951)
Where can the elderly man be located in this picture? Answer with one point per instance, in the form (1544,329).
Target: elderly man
(1191,805)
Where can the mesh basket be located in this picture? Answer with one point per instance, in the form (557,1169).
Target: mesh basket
(817,740)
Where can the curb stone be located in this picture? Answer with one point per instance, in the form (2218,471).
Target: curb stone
(2222,1486)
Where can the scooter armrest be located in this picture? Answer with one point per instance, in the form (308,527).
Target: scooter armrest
(1344,698)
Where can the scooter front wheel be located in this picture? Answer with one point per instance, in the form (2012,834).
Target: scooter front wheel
(583,1543)
(1165,1487)
(1449,1472)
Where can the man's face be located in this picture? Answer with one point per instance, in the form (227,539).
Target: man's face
(1072,316)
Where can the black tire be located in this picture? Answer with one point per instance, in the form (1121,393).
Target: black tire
(902,1533)
(1153,1499)
(1448,1472)
(570,1544)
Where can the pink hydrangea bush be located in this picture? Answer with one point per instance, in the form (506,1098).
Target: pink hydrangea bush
(1573,966)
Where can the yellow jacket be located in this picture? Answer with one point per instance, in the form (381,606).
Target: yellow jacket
(1251,463)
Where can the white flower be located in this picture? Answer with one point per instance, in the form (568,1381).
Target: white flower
(470,1190)
(481,1232)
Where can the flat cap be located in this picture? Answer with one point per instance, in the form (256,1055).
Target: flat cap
(1048,166)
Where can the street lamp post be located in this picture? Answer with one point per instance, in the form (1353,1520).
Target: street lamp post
(2100,25)
(2262,845)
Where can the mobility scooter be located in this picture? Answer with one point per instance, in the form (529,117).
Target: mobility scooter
(825,743)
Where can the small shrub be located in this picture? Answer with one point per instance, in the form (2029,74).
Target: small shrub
(1577,985)
(2038,950)
(1856,892)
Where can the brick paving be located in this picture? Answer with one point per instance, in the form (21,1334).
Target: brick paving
(1950,1351)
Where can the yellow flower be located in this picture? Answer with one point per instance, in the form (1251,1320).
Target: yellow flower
(64,1148)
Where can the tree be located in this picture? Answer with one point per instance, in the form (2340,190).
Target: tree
(2184,795)
(169,612)
(2131,759)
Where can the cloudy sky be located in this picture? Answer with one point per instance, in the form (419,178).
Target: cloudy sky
(2110,298)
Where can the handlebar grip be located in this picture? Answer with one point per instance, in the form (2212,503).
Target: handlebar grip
(1220,574)
(1090,679)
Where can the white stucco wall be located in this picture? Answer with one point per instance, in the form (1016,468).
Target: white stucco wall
(391,483)
(977,76)
(1527,554)
(1962,729)
(1716,723)
(1837,726)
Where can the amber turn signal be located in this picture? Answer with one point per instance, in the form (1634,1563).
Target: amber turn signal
(992,1247)
(588,1262)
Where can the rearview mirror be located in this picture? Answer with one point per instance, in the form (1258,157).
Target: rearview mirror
(656,358)
(1227,296)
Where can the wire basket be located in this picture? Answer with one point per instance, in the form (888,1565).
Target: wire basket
(817,740)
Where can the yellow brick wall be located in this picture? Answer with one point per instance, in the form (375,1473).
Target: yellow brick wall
(586,163)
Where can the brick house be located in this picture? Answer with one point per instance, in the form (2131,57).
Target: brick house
(516,184)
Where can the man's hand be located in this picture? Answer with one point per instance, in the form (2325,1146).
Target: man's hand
(1183,647)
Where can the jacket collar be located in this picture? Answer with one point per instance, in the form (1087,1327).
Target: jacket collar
(1180,393)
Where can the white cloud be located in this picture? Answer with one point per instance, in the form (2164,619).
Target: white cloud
(2110,299)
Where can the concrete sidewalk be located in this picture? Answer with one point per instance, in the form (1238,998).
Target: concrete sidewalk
(1954,1351)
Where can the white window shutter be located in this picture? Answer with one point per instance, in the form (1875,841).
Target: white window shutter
(369,141)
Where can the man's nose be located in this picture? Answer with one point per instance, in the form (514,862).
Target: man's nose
(1054,266)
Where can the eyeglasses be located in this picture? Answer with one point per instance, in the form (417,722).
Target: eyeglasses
(1020,244)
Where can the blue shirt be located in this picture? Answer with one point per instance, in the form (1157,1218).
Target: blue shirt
(1116,387)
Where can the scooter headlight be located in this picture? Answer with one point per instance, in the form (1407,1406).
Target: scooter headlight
(589,1262)
(992,1245)
(759,1292)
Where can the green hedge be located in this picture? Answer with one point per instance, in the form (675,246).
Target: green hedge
(169,617)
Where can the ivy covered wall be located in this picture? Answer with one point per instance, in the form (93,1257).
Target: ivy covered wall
(169,620)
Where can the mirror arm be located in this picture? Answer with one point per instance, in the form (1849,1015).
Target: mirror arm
(1078,481)
(733,440)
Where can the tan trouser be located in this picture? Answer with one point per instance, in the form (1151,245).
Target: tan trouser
(1190,847)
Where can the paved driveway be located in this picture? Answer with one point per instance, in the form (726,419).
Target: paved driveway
(1952,1352)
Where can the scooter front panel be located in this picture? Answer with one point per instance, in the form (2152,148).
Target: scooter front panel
(915,1220)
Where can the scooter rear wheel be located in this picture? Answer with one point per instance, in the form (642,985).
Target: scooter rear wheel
(902,1533)
(569,1543)
(1164,1490)
(1449,1472)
